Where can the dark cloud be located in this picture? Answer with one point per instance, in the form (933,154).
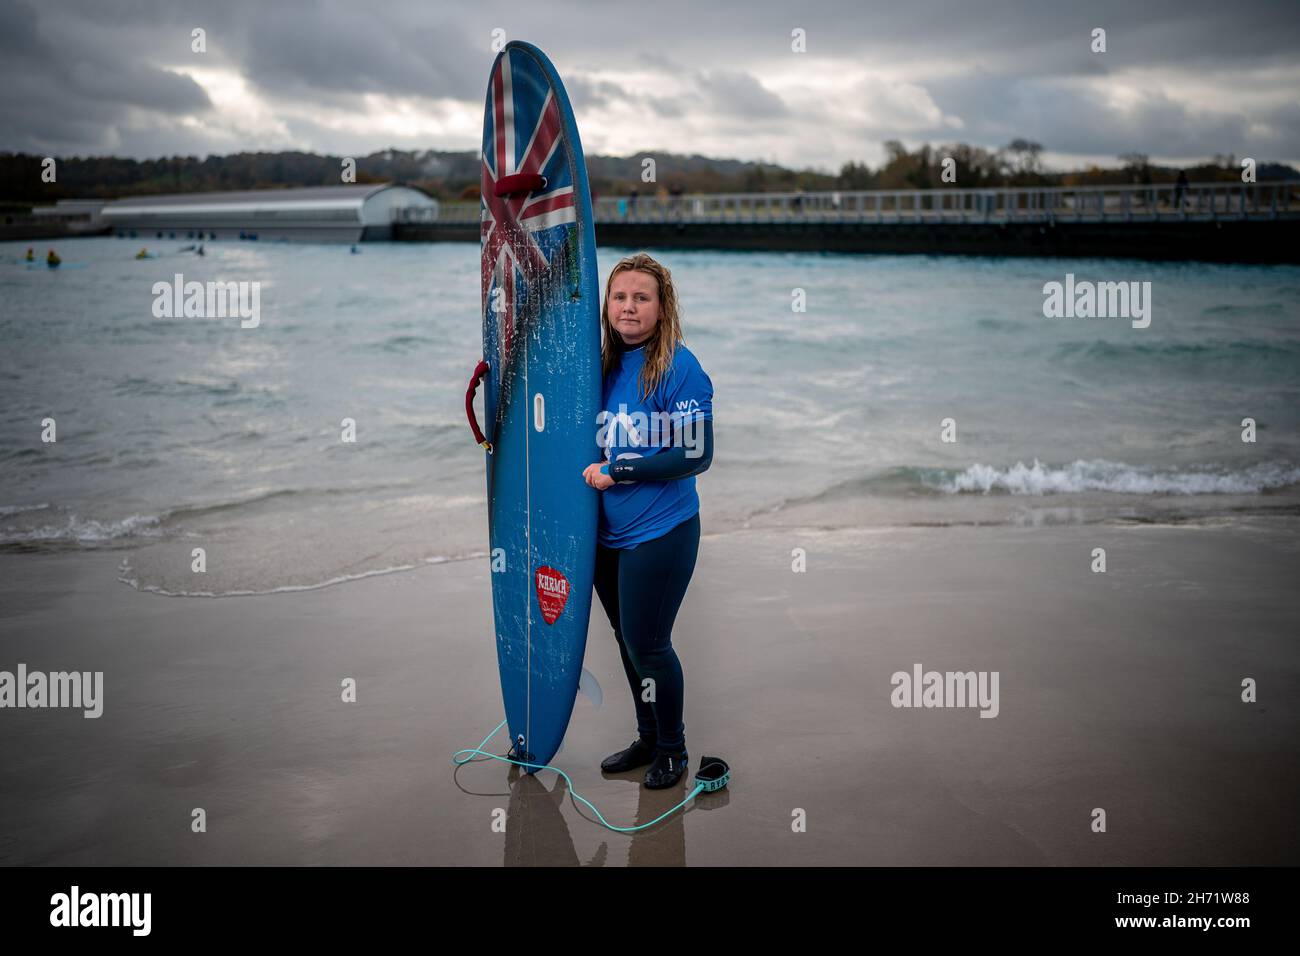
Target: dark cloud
(351,50)
(93,76)
(659,61)
(672,107)
(140,85)
(737,94)
(69,88)
(21,43)
(1071,118)
(585,93)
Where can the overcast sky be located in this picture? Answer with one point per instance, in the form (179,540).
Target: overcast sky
(1180,81)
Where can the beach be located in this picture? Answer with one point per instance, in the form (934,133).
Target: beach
(1119,690)
(850,551)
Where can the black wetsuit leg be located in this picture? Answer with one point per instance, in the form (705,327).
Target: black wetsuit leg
(642,589)
(607,564)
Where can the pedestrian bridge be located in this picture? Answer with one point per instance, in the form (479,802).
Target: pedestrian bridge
(1218,221)
(1206,201)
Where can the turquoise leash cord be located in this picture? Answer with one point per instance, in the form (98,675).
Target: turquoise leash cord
(577,796)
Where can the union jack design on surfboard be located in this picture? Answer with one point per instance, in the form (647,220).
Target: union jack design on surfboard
(521,232)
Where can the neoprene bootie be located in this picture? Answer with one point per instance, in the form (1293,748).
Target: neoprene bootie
(666,770)
(639,754)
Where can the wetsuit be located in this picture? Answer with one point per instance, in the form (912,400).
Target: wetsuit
(649,528)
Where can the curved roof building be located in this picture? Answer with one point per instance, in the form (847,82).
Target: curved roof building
(311,214)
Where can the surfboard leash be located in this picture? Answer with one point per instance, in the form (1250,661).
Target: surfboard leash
(713,775)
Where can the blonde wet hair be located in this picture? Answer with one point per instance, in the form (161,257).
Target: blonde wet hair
(661,344)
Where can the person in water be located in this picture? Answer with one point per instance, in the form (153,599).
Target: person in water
(649,527)
(52,259)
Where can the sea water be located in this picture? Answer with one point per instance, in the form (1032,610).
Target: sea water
(849,389)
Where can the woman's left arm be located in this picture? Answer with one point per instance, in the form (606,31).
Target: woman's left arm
(678,461)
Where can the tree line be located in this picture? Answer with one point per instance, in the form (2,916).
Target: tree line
(455,175)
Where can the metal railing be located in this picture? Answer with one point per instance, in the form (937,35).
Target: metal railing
(1197,201)
(424,214)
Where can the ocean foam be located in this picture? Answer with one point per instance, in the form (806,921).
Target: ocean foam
(1099,474)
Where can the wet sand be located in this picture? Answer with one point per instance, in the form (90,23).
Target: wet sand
(1118,690)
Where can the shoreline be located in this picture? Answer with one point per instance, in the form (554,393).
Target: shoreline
(244,556)
(1117,690)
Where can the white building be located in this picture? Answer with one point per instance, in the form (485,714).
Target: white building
(71,210)
(312,214)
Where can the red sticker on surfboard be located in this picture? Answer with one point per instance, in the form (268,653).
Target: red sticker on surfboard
(552,592)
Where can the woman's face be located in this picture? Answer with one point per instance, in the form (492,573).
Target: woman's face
(634,305)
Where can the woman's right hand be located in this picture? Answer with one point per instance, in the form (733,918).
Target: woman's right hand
(592,476)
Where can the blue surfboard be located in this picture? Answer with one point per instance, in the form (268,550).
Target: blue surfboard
(541,375)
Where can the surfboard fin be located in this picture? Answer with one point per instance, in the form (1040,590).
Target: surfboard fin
(590,687)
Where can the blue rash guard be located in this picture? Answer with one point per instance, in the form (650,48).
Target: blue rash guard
(654,448)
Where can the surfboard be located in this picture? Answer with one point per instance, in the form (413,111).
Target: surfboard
(541,375)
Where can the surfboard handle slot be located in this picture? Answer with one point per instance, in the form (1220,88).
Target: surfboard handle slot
(519,183)
(481,369)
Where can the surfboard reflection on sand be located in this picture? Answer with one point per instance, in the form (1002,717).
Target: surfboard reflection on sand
(538,834)
(537,828)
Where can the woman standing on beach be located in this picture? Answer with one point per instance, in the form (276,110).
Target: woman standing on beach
(649,529)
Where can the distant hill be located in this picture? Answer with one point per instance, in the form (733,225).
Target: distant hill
(455,175)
